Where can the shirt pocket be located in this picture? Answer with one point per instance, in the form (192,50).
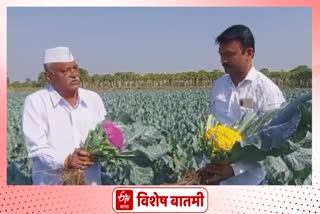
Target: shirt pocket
(221,105)
(245,109)
(85,123)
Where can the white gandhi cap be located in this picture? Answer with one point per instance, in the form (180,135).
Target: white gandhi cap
(58,54)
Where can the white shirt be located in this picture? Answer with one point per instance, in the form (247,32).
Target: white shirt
(256,93)
(225,98)
(53,129)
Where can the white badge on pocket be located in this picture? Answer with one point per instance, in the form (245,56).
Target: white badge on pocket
(247,103)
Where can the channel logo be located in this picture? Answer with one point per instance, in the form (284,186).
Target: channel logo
(160,199)
(124,199)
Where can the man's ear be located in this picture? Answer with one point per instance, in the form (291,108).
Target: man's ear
(48,77)
(250,52)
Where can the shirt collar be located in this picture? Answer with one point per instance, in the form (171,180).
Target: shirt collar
(56,98)
(251,76)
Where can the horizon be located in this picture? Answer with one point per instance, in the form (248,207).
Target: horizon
(145,73)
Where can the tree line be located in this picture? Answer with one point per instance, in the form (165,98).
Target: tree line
(300,76)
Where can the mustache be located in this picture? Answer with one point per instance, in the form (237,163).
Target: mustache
(74,79)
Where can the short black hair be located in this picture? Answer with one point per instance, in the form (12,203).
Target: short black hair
(240,33)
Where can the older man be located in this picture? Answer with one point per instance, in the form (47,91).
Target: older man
(242,89)
(57,119)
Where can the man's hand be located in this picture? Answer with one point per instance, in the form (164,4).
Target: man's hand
(209,178)
(215,172)
(80,159)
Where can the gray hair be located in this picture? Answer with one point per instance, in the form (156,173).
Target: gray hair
(48,67)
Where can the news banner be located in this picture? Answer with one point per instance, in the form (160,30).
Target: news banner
(160,199)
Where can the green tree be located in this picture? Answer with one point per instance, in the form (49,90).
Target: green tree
(42,81)
(84,77)
(301,68)
(265,71)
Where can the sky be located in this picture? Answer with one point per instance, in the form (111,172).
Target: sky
(152,39)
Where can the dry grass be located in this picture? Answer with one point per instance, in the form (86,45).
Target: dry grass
(190,178)
(74,177)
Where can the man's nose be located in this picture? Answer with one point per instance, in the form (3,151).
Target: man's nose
(74,72)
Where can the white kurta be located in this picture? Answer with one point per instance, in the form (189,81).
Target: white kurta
(53,129)
(256,93)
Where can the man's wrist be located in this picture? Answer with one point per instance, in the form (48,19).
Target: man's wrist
(66,162)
